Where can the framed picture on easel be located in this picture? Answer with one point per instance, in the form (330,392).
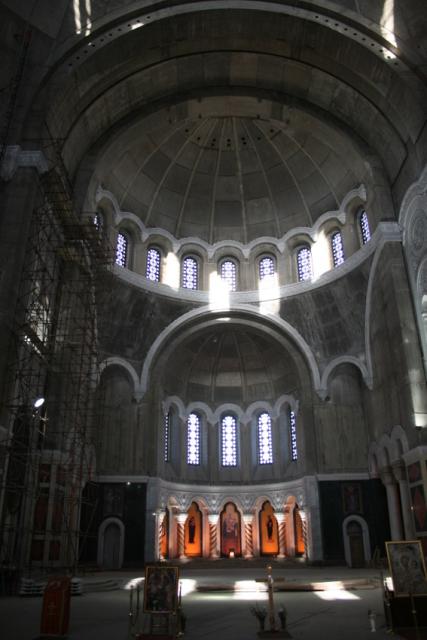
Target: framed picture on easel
(407,568)
(161,589)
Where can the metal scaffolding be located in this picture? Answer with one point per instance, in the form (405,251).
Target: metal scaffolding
(49,455)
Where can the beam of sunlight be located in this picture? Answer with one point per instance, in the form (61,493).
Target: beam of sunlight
(269,295)
(187,585)
(387,23)
(321,252)
(242,595)
(171,270)
(82,16)
(250,585)
(219,293)
(132,584)
(337,594)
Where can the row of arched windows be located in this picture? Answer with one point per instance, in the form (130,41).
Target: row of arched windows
(229,439)
(228,267)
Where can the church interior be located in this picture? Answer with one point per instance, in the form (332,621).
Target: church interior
(213,282)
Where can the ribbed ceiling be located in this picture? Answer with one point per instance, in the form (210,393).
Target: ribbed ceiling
(231,178)
(229,365)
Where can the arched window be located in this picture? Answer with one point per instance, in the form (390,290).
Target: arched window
(337,248)
(265,441)
(229,441)
(365,232)
(267,267)
(166,431)
(228,273)
(293,435)
(190,273)
(193,439)
(122,249)
(304,264)
(152,271)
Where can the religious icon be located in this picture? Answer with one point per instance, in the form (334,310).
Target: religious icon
(407,567)
(161,589)
(191,530)
(230,530)
(270,528)
(352,499)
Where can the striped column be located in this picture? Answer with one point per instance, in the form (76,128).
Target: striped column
(249,542)
(213,535)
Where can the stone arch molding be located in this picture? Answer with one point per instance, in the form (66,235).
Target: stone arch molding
(365,535)
(243,415)
(120,217)
(116,361)
(413,220)
(356,362)
(276,327)
(101,539)
(387,450)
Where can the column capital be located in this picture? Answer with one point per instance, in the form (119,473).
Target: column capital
(181,517)
(213,518)
(280,517)
(248,518)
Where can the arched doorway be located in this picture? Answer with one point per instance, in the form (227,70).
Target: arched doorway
(356,541)
(111,544)
(230,531)
(269,534)
(193,532)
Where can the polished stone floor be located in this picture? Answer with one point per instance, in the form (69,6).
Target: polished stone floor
(221,609)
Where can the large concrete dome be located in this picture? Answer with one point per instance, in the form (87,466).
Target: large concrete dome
(230,177)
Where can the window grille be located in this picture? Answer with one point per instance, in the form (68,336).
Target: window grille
(228,274)
(267,267)
(190,273)
(337,248)
(293,435)
(153,264)
(304,264)
(193,439)
(229,441)
(167,438)
(121,250)
(365,231)
(265,443)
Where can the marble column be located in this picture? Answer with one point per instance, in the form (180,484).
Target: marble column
(180,523)
(393,503)
(280,517)
(248,550)
(213,535)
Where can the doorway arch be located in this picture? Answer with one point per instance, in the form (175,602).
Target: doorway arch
(357,546)
(111,538)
